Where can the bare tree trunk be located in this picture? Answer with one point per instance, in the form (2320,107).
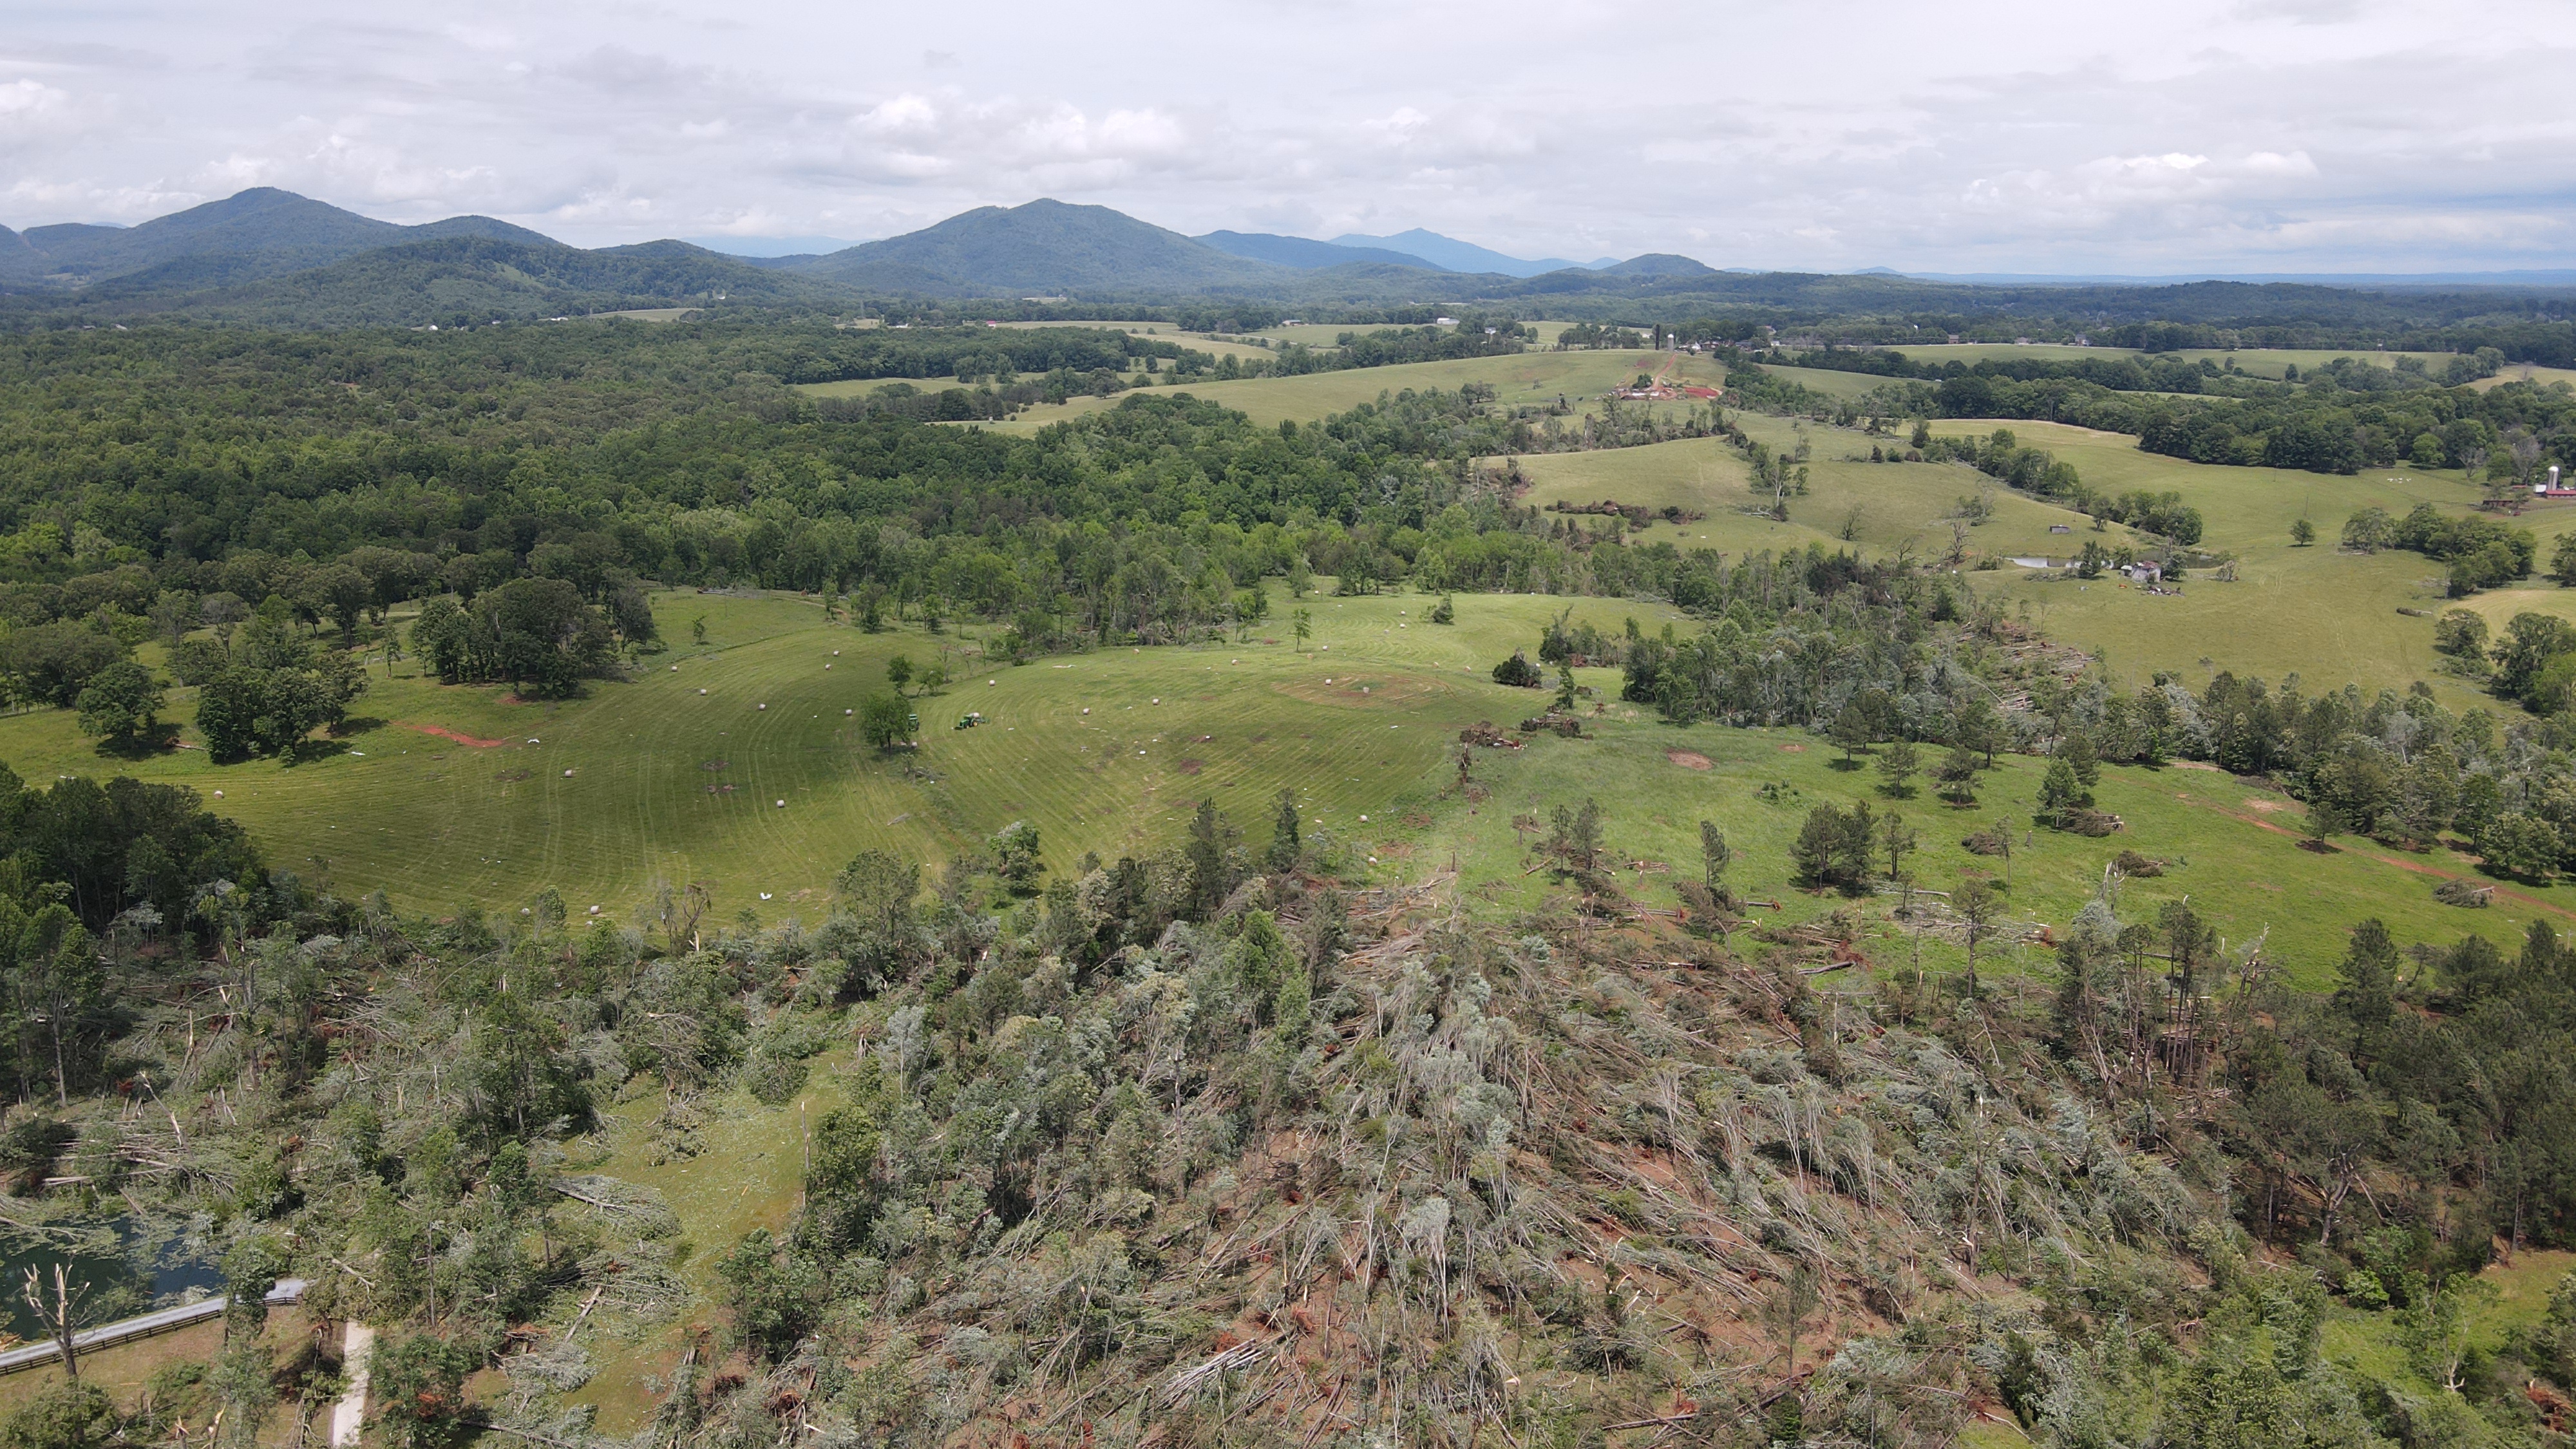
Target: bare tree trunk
(60,1314)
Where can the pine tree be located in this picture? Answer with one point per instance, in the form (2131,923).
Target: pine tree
(1714,854)
(1850,732)
(1211,851)
(1896,766)
(1286,842)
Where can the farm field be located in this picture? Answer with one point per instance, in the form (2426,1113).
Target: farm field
(1839,385)
(654,780)
(2526,372)
(2233,845)
(1883,507)
(1528,378)
(2327,615)
(602,797)
(1972,353)
(2266,362)
(668,784)
(1325,334)
(1196,341)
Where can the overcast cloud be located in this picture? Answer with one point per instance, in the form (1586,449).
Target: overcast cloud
(1982,135)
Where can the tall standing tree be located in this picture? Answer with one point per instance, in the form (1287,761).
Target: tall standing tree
(1212,847)
(121,703)
(1897,765)
(1286,842)
(1975,901)
(1850,732)
(1896,838)
(1714,855)
(2367,994)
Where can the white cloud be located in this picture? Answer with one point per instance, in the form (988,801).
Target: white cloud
(1988,134)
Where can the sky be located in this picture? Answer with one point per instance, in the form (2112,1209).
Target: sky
(1830,135)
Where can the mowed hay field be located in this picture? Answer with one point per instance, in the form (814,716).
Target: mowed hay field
(2232,846)
(1522,379)
(2264,362)
(1884,508)
(2327,615)
(668,784)
(2324,614)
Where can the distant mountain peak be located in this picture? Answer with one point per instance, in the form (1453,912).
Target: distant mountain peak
(1456,255)
(1044,247)
(1306,254)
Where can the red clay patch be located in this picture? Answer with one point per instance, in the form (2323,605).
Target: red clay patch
(1690,759)
(445,733)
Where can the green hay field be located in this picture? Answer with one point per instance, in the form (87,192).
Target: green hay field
(1327,334)
(1838,385)
(1363,726)
(1885,507)
(1523,378)
(2266,362)
(2233,846)
(2526,372)
(2326,615)
(667,783)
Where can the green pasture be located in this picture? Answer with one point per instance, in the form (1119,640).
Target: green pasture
(2527,372)
(653,780)
(2535,596)
(1527,378)
(2372,1343)
(2271,362)
(1328,334)
(1972,353)
(2326,615)
(666,783)
(2233,846)
(2266,362)
(1884,507)
(1837,385)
